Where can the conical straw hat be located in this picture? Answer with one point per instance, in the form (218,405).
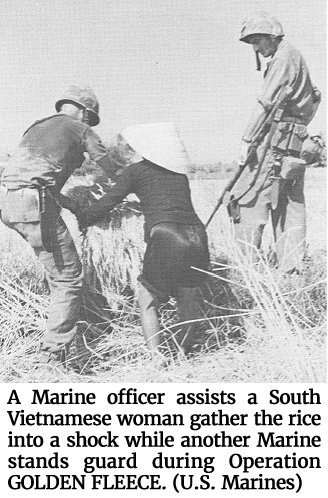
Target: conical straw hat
(160,143)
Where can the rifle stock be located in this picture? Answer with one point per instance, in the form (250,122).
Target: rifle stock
(267,128)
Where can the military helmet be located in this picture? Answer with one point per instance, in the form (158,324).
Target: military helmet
(260,23)
(84,97)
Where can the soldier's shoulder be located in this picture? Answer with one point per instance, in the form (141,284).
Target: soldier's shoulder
(60,119)
(287,50)
(71,123)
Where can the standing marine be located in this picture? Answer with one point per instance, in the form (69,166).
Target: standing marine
(48,153)
(272,184)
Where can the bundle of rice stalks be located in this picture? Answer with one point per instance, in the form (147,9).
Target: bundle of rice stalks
(112,250)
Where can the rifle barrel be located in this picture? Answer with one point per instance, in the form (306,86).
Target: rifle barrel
(226,189)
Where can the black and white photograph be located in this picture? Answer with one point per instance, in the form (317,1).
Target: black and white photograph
(163,191)
(163,248)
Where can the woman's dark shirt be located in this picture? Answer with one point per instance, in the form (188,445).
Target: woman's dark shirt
(164,196)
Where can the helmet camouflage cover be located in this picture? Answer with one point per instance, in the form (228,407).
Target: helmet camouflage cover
(260,23)
(84,97)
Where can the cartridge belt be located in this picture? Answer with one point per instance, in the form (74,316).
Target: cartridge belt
(288,119)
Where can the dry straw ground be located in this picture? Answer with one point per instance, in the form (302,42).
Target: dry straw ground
(258,326)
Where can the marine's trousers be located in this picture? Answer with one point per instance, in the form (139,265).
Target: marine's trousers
(288,223)
(64,275)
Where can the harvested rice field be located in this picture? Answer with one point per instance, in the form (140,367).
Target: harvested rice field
(259,324)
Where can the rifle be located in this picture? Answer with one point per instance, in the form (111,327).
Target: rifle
(268,127)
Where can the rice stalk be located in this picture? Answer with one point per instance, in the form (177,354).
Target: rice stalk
(258,326)
(275,317)
(114,251)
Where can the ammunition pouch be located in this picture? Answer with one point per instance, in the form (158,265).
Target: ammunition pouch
(20,210)
(32,212)
(312,151)
(289,137)
(292,169)
(20,206)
